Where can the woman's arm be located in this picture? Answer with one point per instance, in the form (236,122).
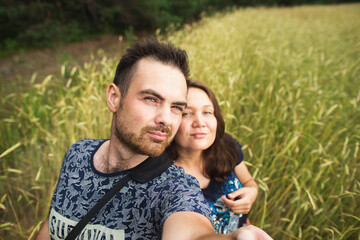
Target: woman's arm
(242,199)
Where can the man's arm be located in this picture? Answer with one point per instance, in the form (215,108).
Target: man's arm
(189,226)
(44,231)
(194,226)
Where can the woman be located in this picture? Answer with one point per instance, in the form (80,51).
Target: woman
(214,158)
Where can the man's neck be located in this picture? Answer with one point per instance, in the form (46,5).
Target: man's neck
(113,156)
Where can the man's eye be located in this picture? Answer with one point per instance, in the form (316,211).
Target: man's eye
(185,114)
(150,99)
(178,108)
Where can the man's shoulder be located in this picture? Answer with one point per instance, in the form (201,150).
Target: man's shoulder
(179,191)
(86,144)
(176,175)
(83,148)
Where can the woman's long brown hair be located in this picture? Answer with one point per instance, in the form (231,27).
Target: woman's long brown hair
(223,155)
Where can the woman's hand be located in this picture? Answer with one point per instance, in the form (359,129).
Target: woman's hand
(241,200)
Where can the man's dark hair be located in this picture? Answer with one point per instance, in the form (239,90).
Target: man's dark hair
(149,48)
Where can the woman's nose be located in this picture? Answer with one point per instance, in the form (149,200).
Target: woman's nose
(198,121)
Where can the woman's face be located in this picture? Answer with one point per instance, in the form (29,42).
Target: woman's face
(198,126)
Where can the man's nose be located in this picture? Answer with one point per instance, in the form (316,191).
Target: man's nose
(164,117)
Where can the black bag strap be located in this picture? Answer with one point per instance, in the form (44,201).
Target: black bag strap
(144,172)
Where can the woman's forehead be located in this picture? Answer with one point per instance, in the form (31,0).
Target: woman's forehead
(198,98)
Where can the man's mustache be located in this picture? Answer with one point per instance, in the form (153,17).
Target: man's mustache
(163,129)
(159,128)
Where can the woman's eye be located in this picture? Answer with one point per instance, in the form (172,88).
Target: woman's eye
(185,114)
(208,113)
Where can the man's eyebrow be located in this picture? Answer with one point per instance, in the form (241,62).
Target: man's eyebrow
(184,104)
(152,92)
(157,95)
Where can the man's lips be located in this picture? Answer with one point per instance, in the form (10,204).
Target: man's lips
(160,136)
(198,135)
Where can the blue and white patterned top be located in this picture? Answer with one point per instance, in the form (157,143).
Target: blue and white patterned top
(138,211)
(224,220)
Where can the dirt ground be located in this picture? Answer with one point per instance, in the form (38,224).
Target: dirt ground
(20,68)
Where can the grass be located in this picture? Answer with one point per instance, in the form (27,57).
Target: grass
(289,86)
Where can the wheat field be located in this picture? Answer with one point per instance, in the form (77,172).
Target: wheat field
(288,81)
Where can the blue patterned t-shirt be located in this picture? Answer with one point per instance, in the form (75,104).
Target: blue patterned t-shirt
(138,211)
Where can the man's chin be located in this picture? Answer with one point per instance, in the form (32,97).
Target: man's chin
(153,155)
(156,151)
(151,149)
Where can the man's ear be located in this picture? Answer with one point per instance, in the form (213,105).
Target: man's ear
(113,97)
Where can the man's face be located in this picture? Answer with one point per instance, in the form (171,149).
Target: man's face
(150,114)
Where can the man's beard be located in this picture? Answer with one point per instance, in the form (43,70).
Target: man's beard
(141,143)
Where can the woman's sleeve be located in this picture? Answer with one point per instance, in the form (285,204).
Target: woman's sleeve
(240,153)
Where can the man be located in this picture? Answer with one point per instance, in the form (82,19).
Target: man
(146,98)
